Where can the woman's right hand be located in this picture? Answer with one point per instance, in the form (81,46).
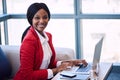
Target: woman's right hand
(60,68)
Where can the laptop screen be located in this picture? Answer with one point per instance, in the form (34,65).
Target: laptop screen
(97,52)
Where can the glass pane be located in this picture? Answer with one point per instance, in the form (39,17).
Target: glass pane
(1,7)
(93,30)
(62,30)
(2,33)
(15,29)
(101,6)
(55,6)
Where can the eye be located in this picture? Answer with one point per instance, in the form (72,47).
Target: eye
(37,17)
(45,17)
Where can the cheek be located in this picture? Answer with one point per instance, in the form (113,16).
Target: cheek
(46,22)
(34,22)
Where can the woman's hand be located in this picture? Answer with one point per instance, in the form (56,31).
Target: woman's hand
(76,62)
(60,68)
(68,64)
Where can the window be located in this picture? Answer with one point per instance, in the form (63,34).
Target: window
(93,30)
(101,6)
(62,30)
(74,22)
(60,6)
(2,33)
(62,27)
(1,7)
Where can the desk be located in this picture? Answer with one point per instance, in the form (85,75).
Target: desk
(104,69)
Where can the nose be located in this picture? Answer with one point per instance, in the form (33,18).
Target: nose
(41,20)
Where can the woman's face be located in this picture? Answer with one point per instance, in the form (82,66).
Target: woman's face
(40,20)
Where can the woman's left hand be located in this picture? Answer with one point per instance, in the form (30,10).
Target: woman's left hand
(76,62)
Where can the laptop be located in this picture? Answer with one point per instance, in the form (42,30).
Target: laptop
(96,59)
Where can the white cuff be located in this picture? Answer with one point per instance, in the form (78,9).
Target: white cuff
(50,73)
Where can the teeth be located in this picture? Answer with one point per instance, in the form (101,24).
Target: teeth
(40,25)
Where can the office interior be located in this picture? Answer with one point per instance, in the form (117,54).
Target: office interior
(75,24)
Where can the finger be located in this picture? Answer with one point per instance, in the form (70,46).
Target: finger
(85,63)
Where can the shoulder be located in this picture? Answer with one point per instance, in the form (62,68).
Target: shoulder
(49,34)
(31,34)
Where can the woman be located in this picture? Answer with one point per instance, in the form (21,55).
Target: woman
(37,54)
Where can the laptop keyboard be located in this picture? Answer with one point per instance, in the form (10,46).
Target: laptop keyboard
(73,69)
(84,69)
(79,69)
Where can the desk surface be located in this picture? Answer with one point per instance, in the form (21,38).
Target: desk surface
(104,69)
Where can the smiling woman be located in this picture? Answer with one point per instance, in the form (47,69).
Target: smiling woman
(37,54)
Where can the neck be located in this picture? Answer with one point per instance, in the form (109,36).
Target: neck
(41,33)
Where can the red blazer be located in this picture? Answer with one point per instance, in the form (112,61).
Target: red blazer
(31,56)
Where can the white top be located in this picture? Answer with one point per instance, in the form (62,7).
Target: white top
(47,54)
